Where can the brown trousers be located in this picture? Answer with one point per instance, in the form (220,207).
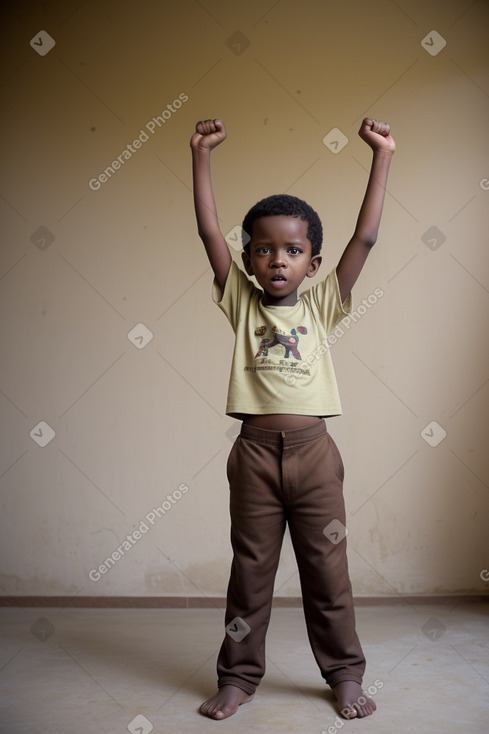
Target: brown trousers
(294,477)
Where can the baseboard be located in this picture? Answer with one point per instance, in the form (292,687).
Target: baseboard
(199,602)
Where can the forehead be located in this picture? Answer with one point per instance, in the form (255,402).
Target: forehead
(281,227)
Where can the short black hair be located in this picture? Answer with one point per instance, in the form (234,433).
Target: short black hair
(291,206)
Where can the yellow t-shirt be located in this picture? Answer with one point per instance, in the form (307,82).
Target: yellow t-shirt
(281,361)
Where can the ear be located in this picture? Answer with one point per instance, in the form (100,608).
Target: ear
(247,262)
(314,266)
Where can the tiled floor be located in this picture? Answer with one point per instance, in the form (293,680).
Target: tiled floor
(106,671)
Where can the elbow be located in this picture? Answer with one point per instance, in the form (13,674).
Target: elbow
(204,234)
(368,239)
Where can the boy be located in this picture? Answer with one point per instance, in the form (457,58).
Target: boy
(284,466)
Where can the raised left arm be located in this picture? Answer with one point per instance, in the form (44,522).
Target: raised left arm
(377,135)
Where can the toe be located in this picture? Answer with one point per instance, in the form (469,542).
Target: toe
(366,709)
(349,712)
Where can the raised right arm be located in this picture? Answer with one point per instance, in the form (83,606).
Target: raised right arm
(208,134)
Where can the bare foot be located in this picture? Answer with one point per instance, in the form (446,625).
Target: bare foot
(225,703)
(352,701)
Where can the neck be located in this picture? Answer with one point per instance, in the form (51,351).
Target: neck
(289,300)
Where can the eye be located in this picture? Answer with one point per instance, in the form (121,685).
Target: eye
(294,251)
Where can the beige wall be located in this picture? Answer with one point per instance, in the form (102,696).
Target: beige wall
(134,424)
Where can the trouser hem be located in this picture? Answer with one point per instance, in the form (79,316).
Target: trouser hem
(335,678)
(230,680)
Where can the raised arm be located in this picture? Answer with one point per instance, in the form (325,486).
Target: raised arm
(208,134)
(377,135)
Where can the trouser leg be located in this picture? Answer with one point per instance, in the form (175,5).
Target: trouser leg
(313,475)
(257,529)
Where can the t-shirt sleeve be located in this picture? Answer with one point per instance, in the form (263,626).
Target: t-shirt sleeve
(325,300)
(237,290)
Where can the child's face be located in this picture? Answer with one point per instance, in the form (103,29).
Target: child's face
(280,257)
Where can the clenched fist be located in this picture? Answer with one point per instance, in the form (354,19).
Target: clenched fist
(377,134)
(208,134)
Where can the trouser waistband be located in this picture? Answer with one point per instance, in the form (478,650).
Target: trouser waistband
(292,437)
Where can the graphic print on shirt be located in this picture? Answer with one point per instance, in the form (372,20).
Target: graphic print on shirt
(288,341)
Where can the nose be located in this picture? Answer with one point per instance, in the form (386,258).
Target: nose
(278,259)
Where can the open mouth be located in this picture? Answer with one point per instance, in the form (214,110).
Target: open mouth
(278,279)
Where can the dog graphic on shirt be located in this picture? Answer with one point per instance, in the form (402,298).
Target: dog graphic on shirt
(288,341)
